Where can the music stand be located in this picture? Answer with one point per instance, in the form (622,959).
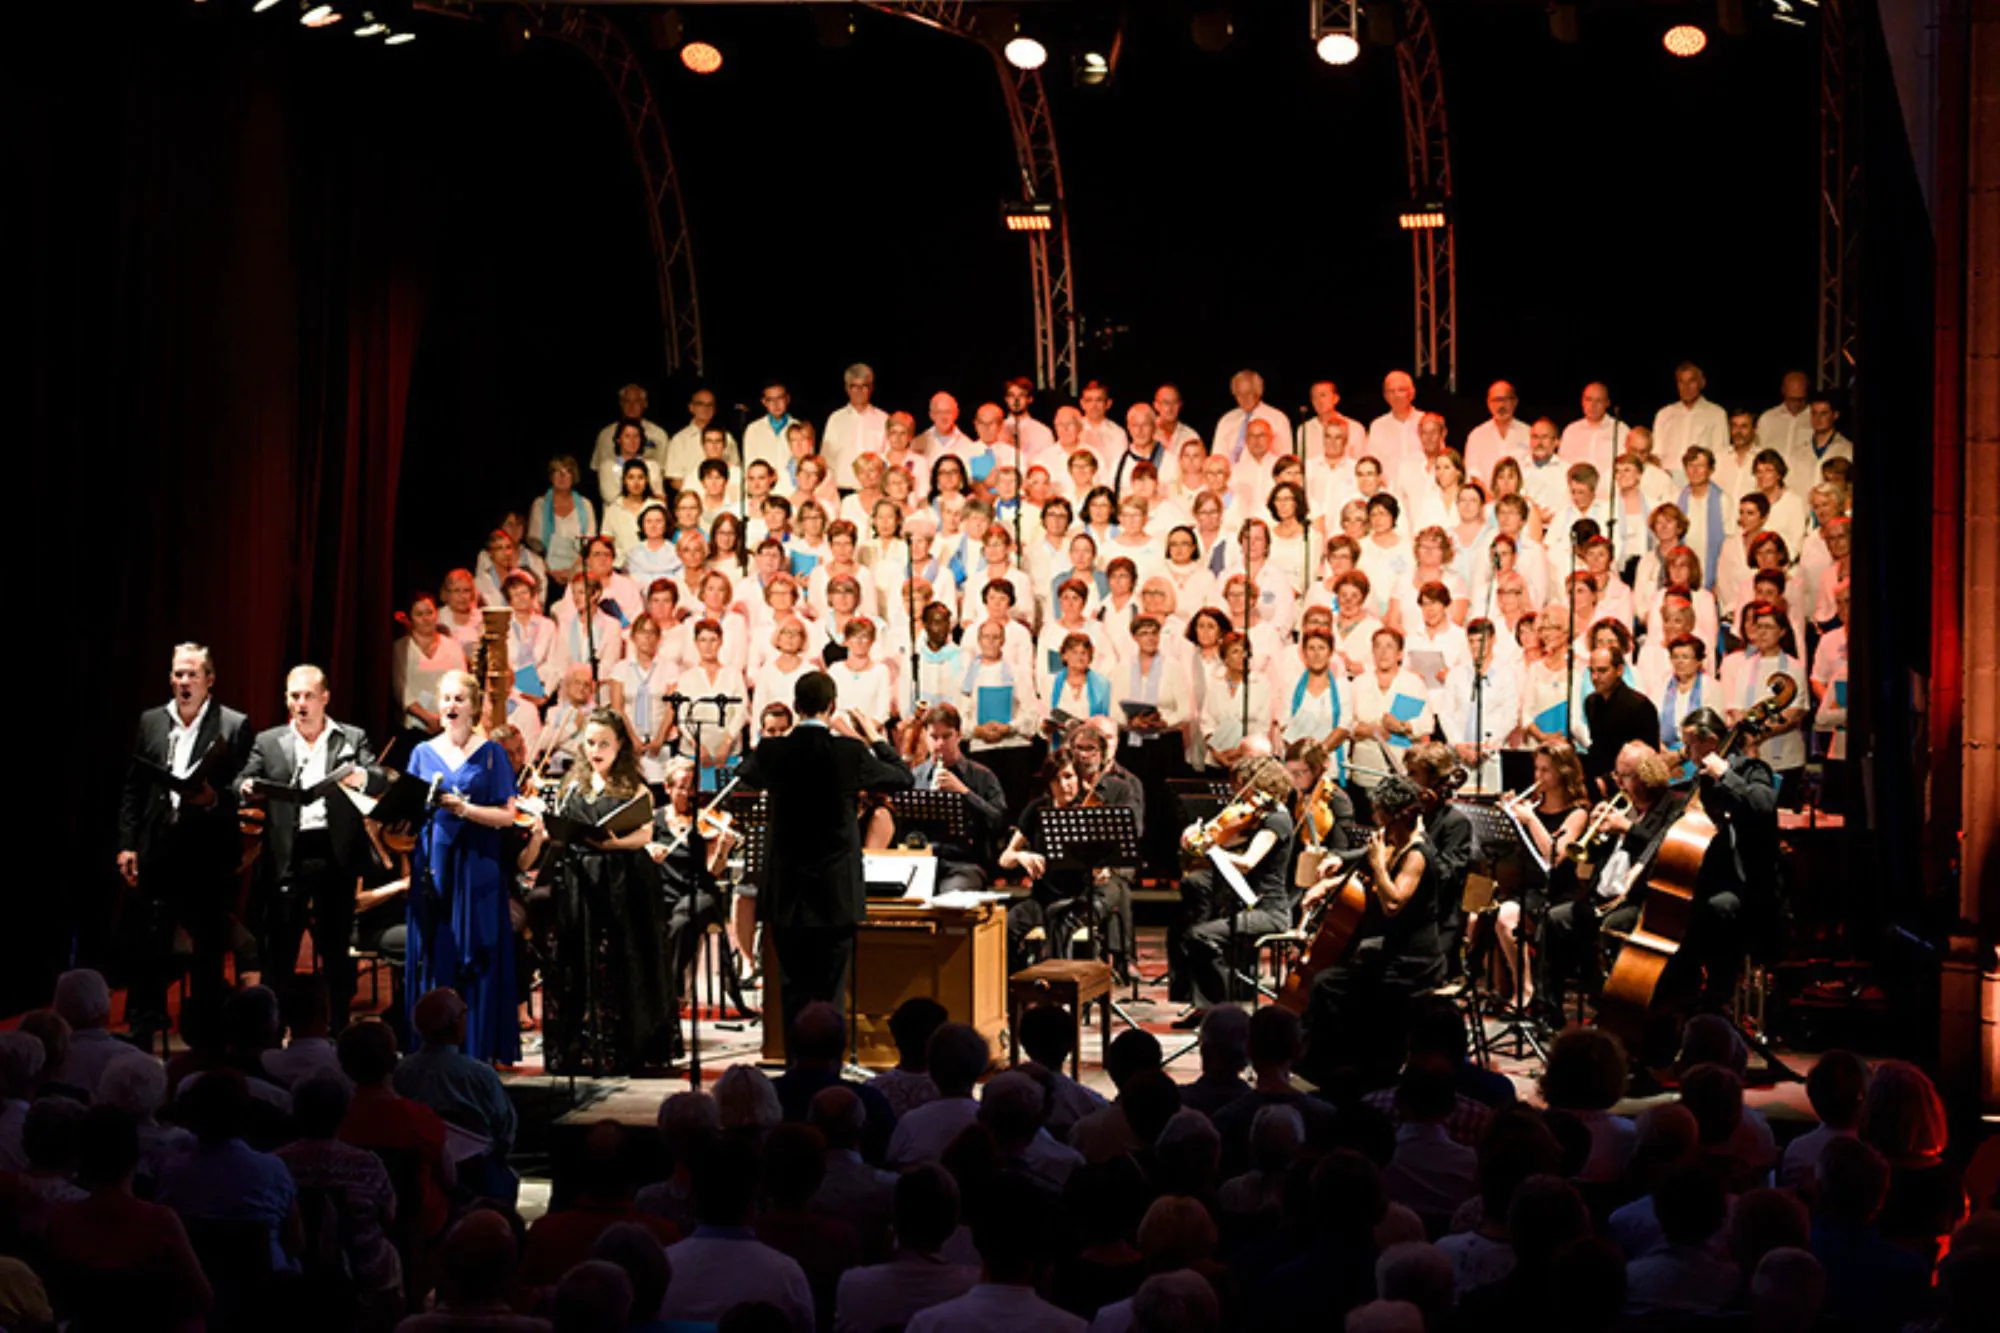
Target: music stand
(1087,838)
(941,816)
(1200,799)
(1505,854)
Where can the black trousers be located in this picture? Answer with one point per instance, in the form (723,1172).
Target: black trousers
(1213,921)
(1710,959)
(188,880)
(1356,1011)
(813,964)
(317,895)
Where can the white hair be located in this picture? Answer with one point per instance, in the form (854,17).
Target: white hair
(135,1083)
(693,1111)
(858,373)
(1276,1135)
(82,998)
(1181,1301)
(745,1098)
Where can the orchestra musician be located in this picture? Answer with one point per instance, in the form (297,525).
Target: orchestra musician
(1108,782)
(1635,827)
(1551,812)
(1060,898)
(690,859)
(181,851)
(1737,902)
(1354,1010)
(315,849)
(1213,912)
(1433,766)
(607,1003)
(961,867)
(460,927)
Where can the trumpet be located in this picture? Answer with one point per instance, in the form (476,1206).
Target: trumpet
(1593,842)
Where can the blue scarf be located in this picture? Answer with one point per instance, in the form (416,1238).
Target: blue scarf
(1096,692)
(1338,755)
(585,525)
(1712,555)
(1670,730)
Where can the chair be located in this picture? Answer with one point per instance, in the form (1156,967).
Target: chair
(1072,983)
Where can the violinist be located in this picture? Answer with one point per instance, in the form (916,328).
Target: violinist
(1108,782)
(1618,843)
(1060,898)
(1254,834)
(1433,766)
(961,868)
(690,858)
(1323,811)
(1355,1010)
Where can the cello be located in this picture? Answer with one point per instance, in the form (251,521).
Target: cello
(1328,928)
(1667,903)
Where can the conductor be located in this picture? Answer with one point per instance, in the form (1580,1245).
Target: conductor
(814,896)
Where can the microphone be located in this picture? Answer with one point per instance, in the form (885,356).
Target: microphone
(1494,550)
(723,699)
(431,794)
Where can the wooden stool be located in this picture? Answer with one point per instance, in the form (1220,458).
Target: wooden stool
(1072,983)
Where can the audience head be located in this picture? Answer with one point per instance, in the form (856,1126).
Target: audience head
(638,1252)
(1348,1198)
(476,1261)
(1587,1287)
(837,1113)
(1012,1108)
(368,1053)
(440,1018)
(319,1104)
(107,1148)
(1968,1278)
(217,1107)
(1178,1302)
(83,999)
(1711,1039)
(22,1058)
(135,1082)
(819,1036)
(957,1056)
(52,1135)
(596,1296)
(1903,1116)
(1384,1316)
(1547,1214)
(1176,1232)
(1149,1099)
(1188,1153)
(1419,1274)
(1765,1220)
(1275,1039)
(794,1165)
(1277,1133)
(1048,1035)
(303,1005)
(1011,1230)
(926,1209)
(1586,1071)
(746,1100)
(1787,1291)
(602,1171)
(1131,1052)
(1225,1040)
(1517,1144)
(687,1121)
(1714,1096)
(47,1027)
(251,1020)
(727,1175)
(1427,1091)
(1688,1200)
(1836,1087)
(1853,1182)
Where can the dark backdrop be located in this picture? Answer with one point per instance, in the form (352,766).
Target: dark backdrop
(308,313)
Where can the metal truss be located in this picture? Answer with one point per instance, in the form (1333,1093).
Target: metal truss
(1839,192)
(1050,275)
(594,34)
(1427,146)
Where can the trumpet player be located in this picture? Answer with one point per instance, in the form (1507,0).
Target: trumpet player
(1551,811)
(1623,839)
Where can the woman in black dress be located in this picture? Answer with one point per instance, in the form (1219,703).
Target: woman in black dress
(1059,897)
(1355,1013)
(689,861)
(606,997)
(1552,813)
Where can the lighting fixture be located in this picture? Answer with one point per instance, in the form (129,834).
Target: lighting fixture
(1092,68)
(1338,48)
(1028,215)
(370,26)
(263,5)
(1684,40)
(701,57)
(399,38)
(1025,53)
(320,16)
(1422,215)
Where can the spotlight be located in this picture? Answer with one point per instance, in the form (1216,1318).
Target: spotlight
(399,39)
(1423,215)
(370,26)
(1025,53)
(1029,215)
(1338,48)
(1684,40)
(320,16)
(1092,68)
(701,57)
(262,5)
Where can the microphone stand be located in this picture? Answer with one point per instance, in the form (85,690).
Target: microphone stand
(910,606)
(1569,646)
(1613,518)
(1479,716)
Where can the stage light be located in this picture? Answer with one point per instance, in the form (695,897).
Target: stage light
(1027,215)
(1423,215)
(1092,68)
(263,5)
(1338,48)
(1025,53)
(701,57)
(399,38)
(320,16)
(370,26)
(1684,40)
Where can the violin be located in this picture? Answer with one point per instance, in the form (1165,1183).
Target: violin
(1231,824)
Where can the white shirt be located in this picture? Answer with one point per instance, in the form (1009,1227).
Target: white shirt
(1310,442)
(1746,680)
(607,442)
(311,756)
(1805,462)
(180,736)
(993,1307)
(1547,484)
(1391,442)
(762,440)
(1486,446)
(1829,668)
(848,435)
(1030,436)
(888,1295)
(718,1267)
(611,480)
(1232,431)
(1223,712)
(1679,425)
(1597,444)
(683,454)
(923,1135)
(1788,432)
(1487,725)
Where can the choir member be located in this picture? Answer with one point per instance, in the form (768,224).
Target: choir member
(1392,708)
(418,661)
(1236,711)
(1746,681)
(561,520)
(644,679)
(1481,705)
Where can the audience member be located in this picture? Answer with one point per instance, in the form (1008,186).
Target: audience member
(824,1247)
(593,1297)
(475,1278)
(84,1002)
(1429,1173)
(1684,1274)
(851,1189)
(723,1263)
(1109,1131)
(408,1136)
(1585,1077)
(364,1196)
(1276,1042)
(688,1122)
(1012,1233)
(1517,1145)
(1253,1201)
(637,1252)
(307,1014)
(1904,1120)
(1421,1275)
(1224,1044)
(1013,1107)
(1870,1280)
(21,1058)
(1836,1087)
(464,1092)
(1336,1271)
(136,1083)
(600,1198)
(746,1103)
(1787,1292)
(886,1295)
(1048,1035)
(1177,1302)
(909,1085)
(956,1057)
(818,1043)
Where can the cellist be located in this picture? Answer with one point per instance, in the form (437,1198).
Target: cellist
(1737,895)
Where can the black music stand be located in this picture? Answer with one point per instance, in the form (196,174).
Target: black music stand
(1087,838)
(1502,852)
(941,816)
(1200,799)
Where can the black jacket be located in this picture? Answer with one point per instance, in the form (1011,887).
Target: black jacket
(1614,719)
(1744,804)
(814,844)
(275,757)
(145,808)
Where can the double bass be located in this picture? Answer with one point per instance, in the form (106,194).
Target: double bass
(1667,901)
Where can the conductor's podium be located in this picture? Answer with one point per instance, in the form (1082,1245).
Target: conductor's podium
(954,955)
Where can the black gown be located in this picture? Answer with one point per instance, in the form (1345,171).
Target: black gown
(607,1000)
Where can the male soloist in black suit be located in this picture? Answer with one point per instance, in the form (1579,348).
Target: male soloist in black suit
(313,853)
(814,896)
(181,851)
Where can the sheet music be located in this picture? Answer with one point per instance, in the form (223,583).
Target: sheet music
(1232,876)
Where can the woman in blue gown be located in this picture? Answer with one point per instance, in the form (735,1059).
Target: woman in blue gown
(460,935)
